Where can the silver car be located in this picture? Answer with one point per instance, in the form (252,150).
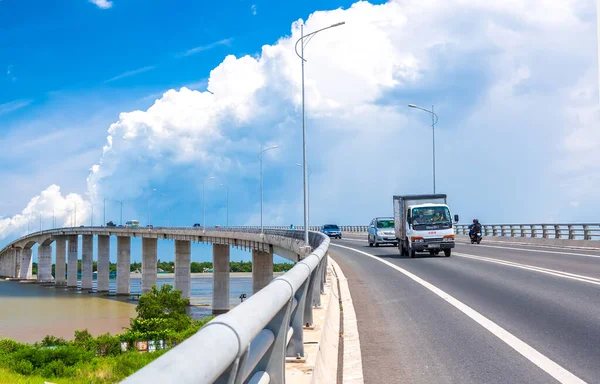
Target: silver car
(381,231)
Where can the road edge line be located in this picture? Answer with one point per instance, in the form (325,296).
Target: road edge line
(352,359)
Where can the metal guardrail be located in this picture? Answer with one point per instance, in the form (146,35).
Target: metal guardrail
(250,343)
(542,231)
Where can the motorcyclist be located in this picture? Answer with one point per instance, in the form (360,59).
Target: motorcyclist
(474,228)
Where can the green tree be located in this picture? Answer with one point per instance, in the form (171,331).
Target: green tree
(164,303)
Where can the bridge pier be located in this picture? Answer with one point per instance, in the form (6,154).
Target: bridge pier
(221,257)
(18,255)
(123,265)
(103,263)
(61,260)
(262,270)
(183,259)
(87,261)
(44,273)
(13,262)
(149,260)
(72,255)
(28,262)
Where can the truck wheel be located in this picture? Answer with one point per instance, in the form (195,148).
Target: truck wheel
(447,252)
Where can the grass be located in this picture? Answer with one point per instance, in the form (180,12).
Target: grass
(8,377)
(99,370)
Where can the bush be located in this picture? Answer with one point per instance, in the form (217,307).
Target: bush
(108,345)
(51,341)
(55,368)
(24,367)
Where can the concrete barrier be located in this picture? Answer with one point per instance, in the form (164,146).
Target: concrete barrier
(326,364)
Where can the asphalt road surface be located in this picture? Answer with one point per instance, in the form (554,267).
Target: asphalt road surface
(487,314)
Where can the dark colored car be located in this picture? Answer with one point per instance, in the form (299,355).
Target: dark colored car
(332,230)
(197,225)
(110,224)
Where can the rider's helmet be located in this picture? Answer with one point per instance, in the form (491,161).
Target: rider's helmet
(474,221)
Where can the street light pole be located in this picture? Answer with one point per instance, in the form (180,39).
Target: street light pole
(104,223)
(304,169)
(204,204)
(224,186)
(261,183)
(434,120)
(308,192)
(153,190)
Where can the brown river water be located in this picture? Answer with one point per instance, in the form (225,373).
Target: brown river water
(28,312)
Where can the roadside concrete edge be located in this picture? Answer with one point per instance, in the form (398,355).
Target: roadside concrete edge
(352,359)
(326,364)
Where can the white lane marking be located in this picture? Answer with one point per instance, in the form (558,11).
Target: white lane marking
(534,250)
(530,353)
(352,366)
(553,272)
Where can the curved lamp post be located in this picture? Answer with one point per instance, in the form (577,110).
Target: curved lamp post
(434,120)
(261,183)
(305,39)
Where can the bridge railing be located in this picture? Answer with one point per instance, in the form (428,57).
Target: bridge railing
(251,342)
(542,231)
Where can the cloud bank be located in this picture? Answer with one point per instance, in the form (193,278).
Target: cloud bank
(515,89)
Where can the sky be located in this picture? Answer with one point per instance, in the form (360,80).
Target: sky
(143,101)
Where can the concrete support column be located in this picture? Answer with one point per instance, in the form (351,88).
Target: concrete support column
(87,261)
(103,263)
(44,274)
(26,271)
(123,265)
(61,260)
(221,269)
(18,253)
(12,262)
(149,260)
(4,265)
(72,254)
(262,270)
(183,266)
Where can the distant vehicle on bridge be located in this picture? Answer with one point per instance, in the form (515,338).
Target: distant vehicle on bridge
(381,231)
(197,225)
(422,223)
(111,224)
(132,224)
(332,230)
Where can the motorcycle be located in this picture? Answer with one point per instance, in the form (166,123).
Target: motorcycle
(476,238)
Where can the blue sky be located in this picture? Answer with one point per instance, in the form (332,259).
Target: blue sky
(92,106)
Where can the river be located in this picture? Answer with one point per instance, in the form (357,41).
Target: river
(28,312)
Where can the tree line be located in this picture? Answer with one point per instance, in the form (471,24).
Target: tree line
(169,267)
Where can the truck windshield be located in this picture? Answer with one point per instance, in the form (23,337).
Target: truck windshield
(385,223)
(431,218)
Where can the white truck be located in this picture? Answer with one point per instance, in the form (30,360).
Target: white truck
(423,224)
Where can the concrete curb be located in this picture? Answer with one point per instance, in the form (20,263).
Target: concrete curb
(352,359)
(326,364)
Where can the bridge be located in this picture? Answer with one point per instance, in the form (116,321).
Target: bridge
(519,307)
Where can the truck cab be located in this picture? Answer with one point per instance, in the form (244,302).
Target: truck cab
(423,224)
